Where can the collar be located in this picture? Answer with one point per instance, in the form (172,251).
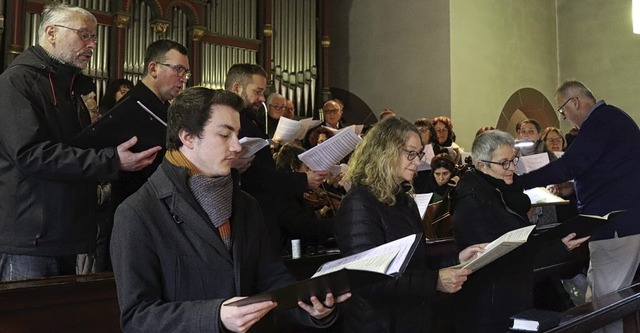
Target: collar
(592,108)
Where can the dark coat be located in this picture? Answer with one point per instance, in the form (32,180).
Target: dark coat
(401,305)
(171,267)
(603,161)
(130,181)
(505,287)
(48,196)
(263,181)
(298,220)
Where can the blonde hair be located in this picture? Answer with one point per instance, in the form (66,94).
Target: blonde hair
(374,161)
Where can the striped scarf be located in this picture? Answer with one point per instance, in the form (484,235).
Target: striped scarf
(213,194)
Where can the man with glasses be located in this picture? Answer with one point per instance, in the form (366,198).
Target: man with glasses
(48,195)
(276,106)
(166,71)
(604,165)
(332,112)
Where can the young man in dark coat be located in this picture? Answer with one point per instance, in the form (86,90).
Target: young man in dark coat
(190,240)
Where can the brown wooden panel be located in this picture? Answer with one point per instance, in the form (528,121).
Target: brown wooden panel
(61,304)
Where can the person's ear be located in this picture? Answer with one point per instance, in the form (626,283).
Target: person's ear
(236,87)
(152,69)
(186,138)
(50,33)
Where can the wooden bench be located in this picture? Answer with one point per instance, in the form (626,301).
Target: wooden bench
(82,303)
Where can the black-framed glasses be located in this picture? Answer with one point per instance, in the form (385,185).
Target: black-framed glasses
(83,33)
(411,154)
(560,109)
(181,71)
(505,164)
(277,107)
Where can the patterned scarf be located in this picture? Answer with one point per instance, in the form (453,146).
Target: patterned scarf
(213,194)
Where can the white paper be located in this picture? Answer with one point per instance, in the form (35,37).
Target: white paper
(422,200)
(286,130)
(330,152)
(425,162)
(252,145)
(531,163)
(390,255)
(539,195)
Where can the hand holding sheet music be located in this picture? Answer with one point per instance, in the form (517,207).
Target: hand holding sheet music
(323,156)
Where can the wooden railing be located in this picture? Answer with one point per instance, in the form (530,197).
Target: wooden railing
(88,303)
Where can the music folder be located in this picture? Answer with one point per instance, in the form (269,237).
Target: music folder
(582,225)
(382,263)
(126,119)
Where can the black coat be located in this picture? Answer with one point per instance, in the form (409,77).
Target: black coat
(173,270)
(263,181)
(505,287)
(402,305)
(48,188)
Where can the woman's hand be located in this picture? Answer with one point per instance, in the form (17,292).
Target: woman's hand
(571,243)
(450,280)
(471,252)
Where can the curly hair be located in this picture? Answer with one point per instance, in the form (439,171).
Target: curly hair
(287,157)
(374,161)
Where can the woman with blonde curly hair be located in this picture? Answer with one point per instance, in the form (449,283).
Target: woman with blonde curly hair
(378,210)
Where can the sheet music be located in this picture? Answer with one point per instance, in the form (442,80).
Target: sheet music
(330,152)
(151,113)
(425,162)
(252,145)
(539,195)
(531,163)
(305,125)
(286,130)
(422,200)
(356,129)
(379,256)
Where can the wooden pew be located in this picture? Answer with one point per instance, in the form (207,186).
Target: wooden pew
(82,303)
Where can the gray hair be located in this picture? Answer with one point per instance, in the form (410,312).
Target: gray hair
(487,142)
(61,14)
(275,95)
(574,88)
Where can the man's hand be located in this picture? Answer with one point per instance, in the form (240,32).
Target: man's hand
(130,161)
(242,164)
(319,310)
(571,242)
(450,280)
(315,178)
(241,318)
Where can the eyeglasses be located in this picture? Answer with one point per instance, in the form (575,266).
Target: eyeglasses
(277,107)
(181,71)
(423,129)
(553,140)
(561,111)
(331,111)
(506,164)
(411,155)
(84,34)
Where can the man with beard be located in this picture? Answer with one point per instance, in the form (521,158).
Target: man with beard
(261,179)
(48,192)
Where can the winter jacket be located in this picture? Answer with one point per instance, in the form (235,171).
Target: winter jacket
(48,188)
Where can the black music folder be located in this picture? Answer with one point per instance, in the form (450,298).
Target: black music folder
(385,262)
(126,119)
(534,320)
(582,225)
